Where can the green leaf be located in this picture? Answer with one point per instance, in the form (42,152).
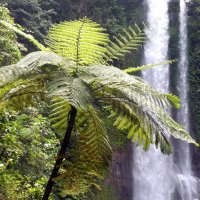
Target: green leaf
(81,41)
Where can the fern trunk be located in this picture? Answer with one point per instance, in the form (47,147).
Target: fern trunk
(61,153)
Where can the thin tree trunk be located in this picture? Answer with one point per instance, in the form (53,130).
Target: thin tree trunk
(61,153)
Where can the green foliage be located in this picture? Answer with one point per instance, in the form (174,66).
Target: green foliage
(115,15)
(29,93)
(194,60)
(78,41)
(36,64)
(27,151)
(86,163)
(9,51)
(135,106)
(29,15)
(28,36)
(138,107)
(144,67)
(107,193)
(130,40)
(174,100)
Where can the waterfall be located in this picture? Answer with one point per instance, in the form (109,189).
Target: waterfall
(186,183)
(157,176)
(152,171)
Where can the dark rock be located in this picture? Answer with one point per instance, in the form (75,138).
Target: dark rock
(120,176)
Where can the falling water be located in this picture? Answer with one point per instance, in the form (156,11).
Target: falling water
(186,183)
(151,170)
(157,176)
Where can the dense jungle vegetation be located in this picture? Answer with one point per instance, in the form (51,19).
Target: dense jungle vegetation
(28,144)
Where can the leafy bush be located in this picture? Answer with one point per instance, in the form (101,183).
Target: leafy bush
(27,152)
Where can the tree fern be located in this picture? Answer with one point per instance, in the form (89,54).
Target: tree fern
(92,149)
(145,103)
(91,155)
(33,64)
(144,67)
(79,79)
(80,41)
(123,44)
(74,90)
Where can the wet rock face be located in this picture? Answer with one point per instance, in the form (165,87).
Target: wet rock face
(120,176)
(195,160)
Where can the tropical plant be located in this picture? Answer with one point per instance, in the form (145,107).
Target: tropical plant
(194,60)
(9,48)
(27,153)
(30,15)
(76,78)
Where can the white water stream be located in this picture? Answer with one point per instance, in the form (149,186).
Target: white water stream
(157,176)
(186,183)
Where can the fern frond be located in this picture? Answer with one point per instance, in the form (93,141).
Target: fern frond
(135,87)
(91,155)
(144,102)
(21,94)
(130,40)
(59,110)
(33,64)
(82,42)
(96,140)
(73,90)
(175,101)
(144,67)
(127,120)
(92,150)
(64,93)
(141,125)
(27,36)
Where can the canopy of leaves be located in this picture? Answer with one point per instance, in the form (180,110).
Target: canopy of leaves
(31,16)
(9,48)
(194,60)
(27,150)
